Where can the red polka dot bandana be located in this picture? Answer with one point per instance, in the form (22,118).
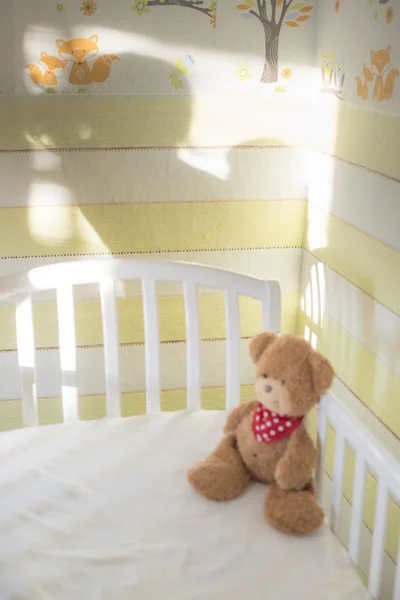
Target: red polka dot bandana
(269,427)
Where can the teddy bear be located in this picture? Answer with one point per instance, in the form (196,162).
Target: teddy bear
(266,440)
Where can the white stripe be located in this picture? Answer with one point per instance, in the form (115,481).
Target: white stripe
(90,369)
(364,318)
(83,177)
(366,200)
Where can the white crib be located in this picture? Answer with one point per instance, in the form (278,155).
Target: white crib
(102,566)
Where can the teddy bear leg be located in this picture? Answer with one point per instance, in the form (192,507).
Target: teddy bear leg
(293,511)
(223,475)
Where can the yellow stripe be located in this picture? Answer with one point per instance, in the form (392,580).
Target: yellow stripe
(371,380)
(363,137)
(151,227)
(393,527)
(132,403)
(130,319)
(108,122)
(364,261)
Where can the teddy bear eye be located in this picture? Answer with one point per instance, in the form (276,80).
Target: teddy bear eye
(265,375)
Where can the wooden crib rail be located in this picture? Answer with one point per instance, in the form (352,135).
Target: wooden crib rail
(63,276)
(370,456)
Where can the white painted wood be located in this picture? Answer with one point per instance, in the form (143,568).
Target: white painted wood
(92,271)
(152,346)
(192,346)
(26,359)
(357,507)
(111,347)
(232,349)
(338,471)
(67,341)
(378,541)
(396,587)
(271,307)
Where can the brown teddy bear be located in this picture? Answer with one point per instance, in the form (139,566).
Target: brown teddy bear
(267,441)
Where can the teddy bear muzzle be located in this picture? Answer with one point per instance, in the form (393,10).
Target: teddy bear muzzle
(273,394)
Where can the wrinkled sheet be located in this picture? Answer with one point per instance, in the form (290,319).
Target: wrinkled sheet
(103,511)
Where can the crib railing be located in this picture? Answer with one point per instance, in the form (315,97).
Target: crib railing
(62,277)
(370,457)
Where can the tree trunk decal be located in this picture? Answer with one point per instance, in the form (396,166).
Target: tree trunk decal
(272,18)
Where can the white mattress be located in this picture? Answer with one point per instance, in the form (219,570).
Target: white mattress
(103,510)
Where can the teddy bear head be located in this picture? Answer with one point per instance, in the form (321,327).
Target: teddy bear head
(290,375)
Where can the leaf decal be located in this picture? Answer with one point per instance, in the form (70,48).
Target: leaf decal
(297,6)
(279,2)
(292,23)
(243,6)
(306,9)
(246,16)
(303,18)
(291,16)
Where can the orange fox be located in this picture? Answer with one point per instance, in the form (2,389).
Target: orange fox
(50,65)
(362,86)
(380,61)
(79,51)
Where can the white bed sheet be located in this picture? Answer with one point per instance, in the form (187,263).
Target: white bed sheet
(103,511)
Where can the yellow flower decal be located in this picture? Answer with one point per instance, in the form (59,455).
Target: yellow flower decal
(389,14)
(88,7)
(213,7)
(60,8)
(280,89)
(286,73)
(140,6)
(337,5)
(243,73)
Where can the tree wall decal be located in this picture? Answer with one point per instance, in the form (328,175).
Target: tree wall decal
(206,8)
(272,18)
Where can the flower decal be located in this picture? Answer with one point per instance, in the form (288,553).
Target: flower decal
(213,9)
(337,5)
(280,89)
(60,8)
(88,8)
(389,14)
(140,6)
(286,73)
(243,73)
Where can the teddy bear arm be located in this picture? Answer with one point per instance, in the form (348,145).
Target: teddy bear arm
(296,467)
(237,414)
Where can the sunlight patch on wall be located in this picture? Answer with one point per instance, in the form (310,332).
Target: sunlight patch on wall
(210,162)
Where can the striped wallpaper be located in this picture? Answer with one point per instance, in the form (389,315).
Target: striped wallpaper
(273,180)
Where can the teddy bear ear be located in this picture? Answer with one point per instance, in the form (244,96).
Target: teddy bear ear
(259,343)
(322,372)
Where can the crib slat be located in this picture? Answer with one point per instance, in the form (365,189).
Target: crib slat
(26,359)
(340,449)
(152,346)
(396,589)
(378,541)
(192,346)
(111,347)
(66,329)
(232,349)
(357,508)
(271,307)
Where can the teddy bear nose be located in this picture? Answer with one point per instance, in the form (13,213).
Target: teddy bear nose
(268,388)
